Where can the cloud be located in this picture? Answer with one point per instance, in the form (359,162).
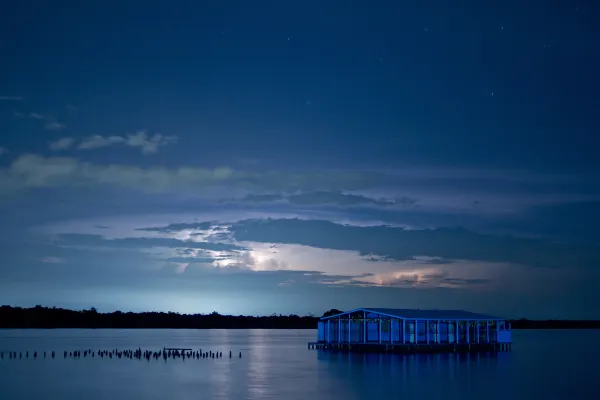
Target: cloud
(177,227)
(323,197)
(54,126)
(337,198)
(400,244)
(262,198)
(140,140)
(432,260)
(192,260)
(255,261)
(34,171)
(52,260)
(12,98)
(97,141)
(62,144)
(380,196)
(92,240)
(348,268)
(417,193)
(436,279)
(38,171)
(3,151)
(456,281)
(149,144)
(423,281)
(133,264)
(50,123)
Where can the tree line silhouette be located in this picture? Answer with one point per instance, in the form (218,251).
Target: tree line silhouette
(45,317)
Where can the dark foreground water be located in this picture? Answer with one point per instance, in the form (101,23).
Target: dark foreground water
(276,364)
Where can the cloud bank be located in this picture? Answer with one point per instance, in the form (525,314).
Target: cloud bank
(34,171)
(327,198)
(147,144)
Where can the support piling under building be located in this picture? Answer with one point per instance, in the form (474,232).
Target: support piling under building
(412,331)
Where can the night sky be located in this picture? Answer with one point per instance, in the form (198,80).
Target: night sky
(256,157)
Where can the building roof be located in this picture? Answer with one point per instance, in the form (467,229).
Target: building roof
(421,314)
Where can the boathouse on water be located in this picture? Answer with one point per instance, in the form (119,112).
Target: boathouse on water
(405,329)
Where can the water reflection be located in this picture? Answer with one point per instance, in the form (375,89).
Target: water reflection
(277,365)
(257,370)
(409,373)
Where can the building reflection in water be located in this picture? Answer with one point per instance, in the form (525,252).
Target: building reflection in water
(455,372)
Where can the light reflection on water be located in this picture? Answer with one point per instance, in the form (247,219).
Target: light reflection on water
(276,364)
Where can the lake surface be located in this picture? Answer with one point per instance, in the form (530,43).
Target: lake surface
(276,364)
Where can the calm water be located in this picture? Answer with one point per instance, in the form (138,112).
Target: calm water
(277,365)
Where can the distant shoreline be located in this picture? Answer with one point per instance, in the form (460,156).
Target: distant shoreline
(58,318)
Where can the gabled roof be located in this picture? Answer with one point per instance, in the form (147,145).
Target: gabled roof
(420,314)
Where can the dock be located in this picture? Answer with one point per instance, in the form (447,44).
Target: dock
(403,331)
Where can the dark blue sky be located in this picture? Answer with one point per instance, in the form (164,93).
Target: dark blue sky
(285,132)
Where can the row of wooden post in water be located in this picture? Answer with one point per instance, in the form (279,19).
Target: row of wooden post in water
(137,354)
